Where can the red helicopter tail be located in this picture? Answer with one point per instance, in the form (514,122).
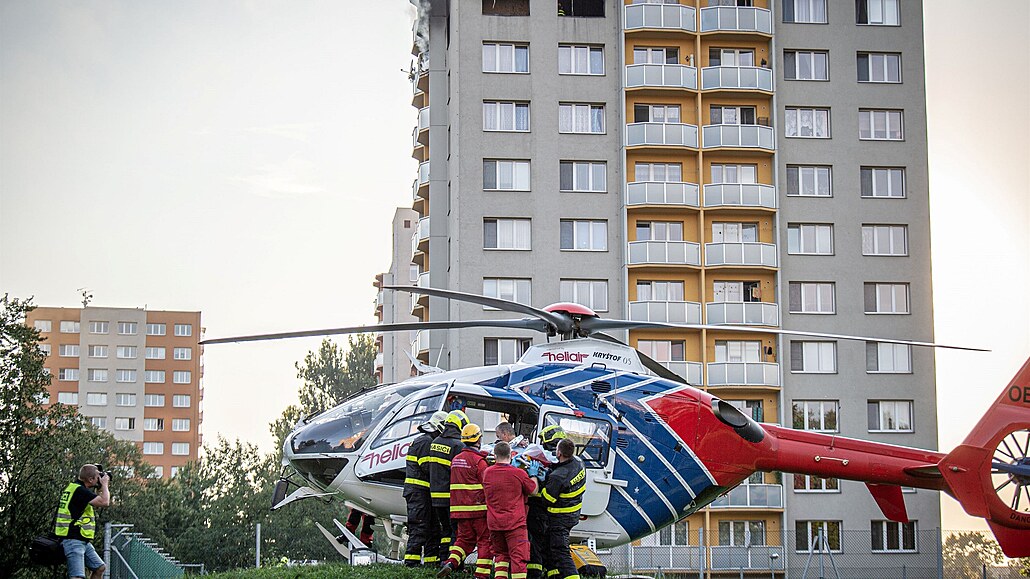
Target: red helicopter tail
(989,473)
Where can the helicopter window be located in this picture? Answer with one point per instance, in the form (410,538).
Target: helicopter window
(489,412)
(343,428)
(590,436)
(408,420)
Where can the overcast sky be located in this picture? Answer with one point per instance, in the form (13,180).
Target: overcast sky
(244,159)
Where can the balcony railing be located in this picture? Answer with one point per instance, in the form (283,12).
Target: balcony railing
(420,343)
(661,134)
(420,235)
(423,119)
(743,374)
(746,254)
(665,252)
(379,361)
(646,557)
(664,16)
(747,136)
(736,77)
(662,193)
(729,557)
(736,19)
(690,371)
(665,311)
(423,173)
(754,496)
(661,75)
(740,195)
(743,313)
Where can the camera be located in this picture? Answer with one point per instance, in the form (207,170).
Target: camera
(101,472)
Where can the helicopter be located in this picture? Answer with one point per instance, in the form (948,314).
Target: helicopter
(655,449)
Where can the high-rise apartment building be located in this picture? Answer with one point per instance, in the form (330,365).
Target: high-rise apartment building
(136,373)
(744,162)
(392,364)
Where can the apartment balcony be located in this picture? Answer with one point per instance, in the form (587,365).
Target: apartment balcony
(689,371)
(674,17)
(379,361)
(664,253)
(743,313)
(661,135)
(666,558)
(751,496)
(661,76)
(748,254)
(739,136)
(664,193)
(736,78)
(418,148)
(420,345)
(423,120)
(744,374)
(745,19)
(665,311)
(379,302)
(420,242)
(748,195)
(736,558)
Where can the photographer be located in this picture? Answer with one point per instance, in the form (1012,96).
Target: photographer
(76,521)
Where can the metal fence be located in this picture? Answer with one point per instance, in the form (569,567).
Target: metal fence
(130,555)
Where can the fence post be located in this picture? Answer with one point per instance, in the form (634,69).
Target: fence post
(107,550)
(257,544)
(701,563)
(940,553)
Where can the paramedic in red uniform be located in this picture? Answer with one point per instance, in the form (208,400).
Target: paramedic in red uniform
(506,488)
(468,507)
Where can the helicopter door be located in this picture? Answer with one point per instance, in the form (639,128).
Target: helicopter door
(592,437)
(383,459)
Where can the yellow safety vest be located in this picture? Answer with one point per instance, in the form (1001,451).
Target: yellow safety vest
(87,523)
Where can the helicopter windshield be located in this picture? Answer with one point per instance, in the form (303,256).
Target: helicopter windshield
(343,428)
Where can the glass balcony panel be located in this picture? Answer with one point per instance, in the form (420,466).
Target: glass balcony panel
(689,371)
(747,254)
(662,311)
(647,557)
(423,119)
(379,360)
(736,77)
(662,193)
(665,252)
(735,558)
(743,374)
(423,173)
(761,496)
(744,313)
(736,19)
(661,134)
(661,75)
(666,16)
(740,195)
(750,136)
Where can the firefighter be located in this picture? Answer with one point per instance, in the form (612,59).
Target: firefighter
(536,519)
(563,494)
(506,488)
(468,507)
(423,526)
(441,452)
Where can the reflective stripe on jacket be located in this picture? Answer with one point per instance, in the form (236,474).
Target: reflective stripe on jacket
(87,522)
(441,452)
(563,491)
(416,470)
(467,498)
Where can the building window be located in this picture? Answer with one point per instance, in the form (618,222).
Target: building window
(504,350)
(886,298)
(592,293)
(126,399)
(722,173)
(579,59)
(580,118)
(674,535)
(656,113)
(888,358)
(69,398)
(731,115)
(888,182)
(182,353)
(731,57)
(181,401)
(99,422)
(804,11)
(413,273)
(877,12)
(154,400)
(891,536)
(660,172)
(97,351)
(880,125)
(96,375)
(663,350)
(45,348)
(181,377)
(506,288)
(500,57)
(155,353)
(43,326)
(807,123)
(159,471)
(752,408)
(499,175)
(806,65)
(183,330)
(659,231)
(808,532)
(804,483)
(810,238)
(507,234)
(180,424)
(126,352)
(68,350)
(68,374)
(124,423)
(98,327)
(583,176)
(153,424)
(655,55)
(69,327)
(154,376)
(734,291)
(815,415)
(742,533)
(813,357)
(96,399)
(809,181)
(584,235)
(505,116)
(127,328)
(155,329)
(811,297)
(890,415)
(659,291)
(581,8)
(180,448)
(885,240)
(879,67)
(738,351)
(126,376)
(153,448)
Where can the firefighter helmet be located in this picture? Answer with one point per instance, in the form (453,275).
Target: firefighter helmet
(435,421)
(471,434)
(457,418)
(550,435)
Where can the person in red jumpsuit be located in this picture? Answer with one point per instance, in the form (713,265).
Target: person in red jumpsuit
(506,488)
(468,507)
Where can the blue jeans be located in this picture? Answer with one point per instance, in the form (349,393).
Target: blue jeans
(80,555)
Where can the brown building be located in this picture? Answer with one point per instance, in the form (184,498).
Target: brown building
(133,372)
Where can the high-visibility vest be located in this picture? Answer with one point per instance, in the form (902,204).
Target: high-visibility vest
(87,523)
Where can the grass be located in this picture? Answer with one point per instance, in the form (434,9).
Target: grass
(328,571)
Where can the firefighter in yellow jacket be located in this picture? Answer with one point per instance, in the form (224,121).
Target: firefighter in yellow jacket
(76,521)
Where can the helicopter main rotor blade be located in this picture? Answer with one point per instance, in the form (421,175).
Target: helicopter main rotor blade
(522,324)
(559,323)
(593,324)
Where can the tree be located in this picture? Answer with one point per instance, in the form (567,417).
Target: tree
(965,554)
(330,375)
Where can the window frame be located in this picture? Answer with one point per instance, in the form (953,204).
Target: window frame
(97,375)
(873,229)
(879,415)
(494,108)
(147,400)
(818,286)
(574,166)
(151,377)
(177,398)
(516,166)
(875,353)
(805,407)
(498,57)
(515,222)
(819,356)
(815,485)
(96,399)
(869,67)
(574,287)
(68,398)
(899,529)
(519,286)
(827,525)
(793,11)
(797,112)
(520,344)
(155,350)
(43,326)
(572,68)
(875,287)
(592,109)
(796,247)
(177,424)
(183,330)
(871,180)
(886,122)
(68,374)
(126,350)
(182,377)
(813,65)
(576,224)
(97,351)
(99,327)
(125,375)
(153,448)
(800,177)
(156,329)
(178,351)
(883,10)
(69,327)
(68,350)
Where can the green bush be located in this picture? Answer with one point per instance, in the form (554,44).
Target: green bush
(329,571)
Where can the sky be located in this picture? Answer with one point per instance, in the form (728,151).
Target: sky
(244,158)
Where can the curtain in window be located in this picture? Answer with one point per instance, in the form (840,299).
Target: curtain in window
(506,54)
(565,119)
(596,119)
(521,59)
